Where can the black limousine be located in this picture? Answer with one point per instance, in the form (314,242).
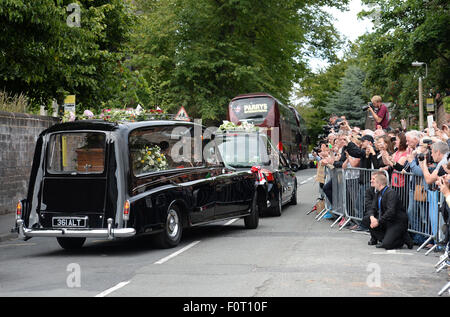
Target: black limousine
(242,150)
(99,179)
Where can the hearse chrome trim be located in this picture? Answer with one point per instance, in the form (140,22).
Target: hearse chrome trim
(222,219)
(109,233)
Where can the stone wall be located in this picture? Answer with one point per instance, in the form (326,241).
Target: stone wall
(18,135)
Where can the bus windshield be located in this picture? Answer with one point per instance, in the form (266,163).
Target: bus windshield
(252,109)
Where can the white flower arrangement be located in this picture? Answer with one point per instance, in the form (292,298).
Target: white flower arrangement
(118,115)
(244,126)
(149,159)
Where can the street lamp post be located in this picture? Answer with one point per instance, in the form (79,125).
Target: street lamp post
(420,64)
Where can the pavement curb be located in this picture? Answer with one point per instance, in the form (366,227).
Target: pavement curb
(7,227)
(8,236)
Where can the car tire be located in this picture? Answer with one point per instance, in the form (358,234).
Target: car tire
(277,209)
(171,235)
(71,243)
(294,195)
(252,221)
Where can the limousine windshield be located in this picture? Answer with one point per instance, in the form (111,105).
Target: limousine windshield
(244,150)
(76,152)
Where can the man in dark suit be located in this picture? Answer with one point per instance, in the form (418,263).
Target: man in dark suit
(388,218)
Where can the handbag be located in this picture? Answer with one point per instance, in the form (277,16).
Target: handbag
(420,194)
(320,176)
(320,206)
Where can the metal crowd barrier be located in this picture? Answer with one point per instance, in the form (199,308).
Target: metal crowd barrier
(327,204)
(335,207)
(349,200)
(421,203)
(357,181)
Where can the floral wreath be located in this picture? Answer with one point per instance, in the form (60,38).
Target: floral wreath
(118,115)
(244,126)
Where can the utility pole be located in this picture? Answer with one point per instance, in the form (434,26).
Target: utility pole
(420,64)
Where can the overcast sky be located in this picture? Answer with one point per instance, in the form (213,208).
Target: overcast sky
(348,25)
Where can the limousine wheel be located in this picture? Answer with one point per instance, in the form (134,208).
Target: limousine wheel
(276,210)
(252,220)
(294,195)
(71,243)
(171,235)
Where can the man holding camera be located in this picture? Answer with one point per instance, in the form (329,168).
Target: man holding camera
(439,152)
(379,112)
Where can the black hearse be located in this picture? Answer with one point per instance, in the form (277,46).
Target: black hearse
(244,150)
(98,179)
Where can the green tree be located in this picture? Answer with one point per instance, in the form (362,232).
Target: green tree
(350,96)
(316,89)
(201,53)
(42,56)
(406,31)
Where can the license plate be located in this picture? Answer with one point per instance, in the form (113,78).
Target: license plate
(69,222)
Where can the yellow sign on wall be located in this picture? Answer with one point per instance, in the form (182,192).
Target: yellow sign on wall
(430,104)
(69,100)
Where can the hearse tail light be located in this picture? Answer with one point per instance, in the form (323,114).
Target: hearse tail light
(269,175)
(19,210)
(126,210)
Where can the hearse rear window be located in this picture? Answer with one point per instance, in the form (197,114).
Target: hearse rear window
(162,148)
(76,152)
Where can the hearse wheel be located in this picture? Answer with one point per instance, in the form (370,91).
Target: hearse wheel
(251,221)
(171,235)
(71,243)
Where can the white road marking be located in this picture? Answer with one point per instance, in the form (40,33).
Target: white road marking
(112,289)
(17,245)
(167,258)
(392,252)
(307,180)
(231,221)
(163,260)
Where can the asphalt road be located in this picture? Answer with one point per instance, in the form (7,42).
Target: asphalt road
(292,255)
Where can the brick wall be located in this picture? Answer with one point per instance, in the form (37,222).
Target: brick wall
(18,135)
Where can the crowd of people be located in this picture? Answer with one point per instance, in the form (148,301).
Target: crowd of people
(392,155)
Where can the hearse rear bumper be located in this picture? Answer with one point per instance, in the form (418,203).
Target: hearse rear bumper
(109,233)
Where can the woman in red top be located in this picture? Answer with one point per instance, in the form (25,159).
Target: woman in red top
(396,162)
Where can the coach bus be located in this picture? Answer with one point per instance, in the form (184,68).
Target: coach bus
(263,110)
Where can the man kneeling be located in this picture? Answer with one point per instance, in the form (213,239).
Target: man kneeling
(388,218)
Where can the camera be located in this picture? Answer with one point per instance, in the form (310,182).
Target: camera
(428,156)
(326,129)
(369,105)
